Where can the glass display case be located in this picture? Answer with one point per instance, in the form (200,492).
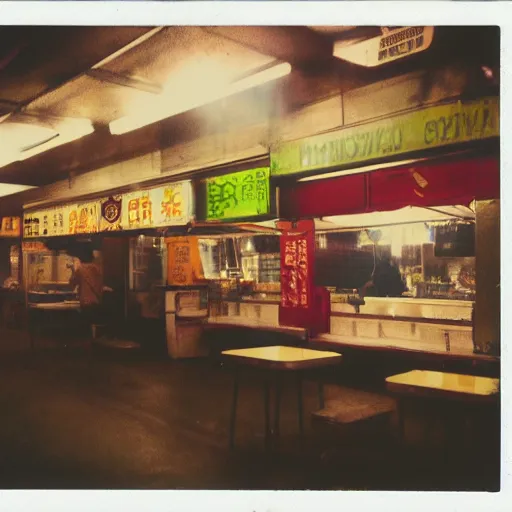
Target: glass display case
(148,263)
(47,274)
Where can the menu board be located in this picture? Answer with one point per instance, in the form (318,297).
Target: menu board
(184,261)
(83,218)
(238,195)
(10,227)
(111,210)
(172,204)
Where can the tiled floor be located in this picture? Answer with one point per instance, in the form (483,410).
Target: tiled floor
(73,422)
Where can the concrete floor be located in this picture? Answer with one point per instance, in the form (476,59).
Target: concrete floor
(70,421)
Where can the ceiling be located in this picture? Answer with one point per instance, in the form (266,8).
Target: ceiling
(60,84)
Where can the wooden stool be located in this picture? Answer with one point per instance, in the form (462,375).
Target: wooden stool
(339,423)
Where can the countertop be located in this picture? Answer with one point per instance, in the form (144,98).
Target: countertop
(237,321)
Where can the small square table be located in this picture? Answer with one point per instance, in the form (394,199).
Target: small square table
(447,390)
(277,359)
(447,385)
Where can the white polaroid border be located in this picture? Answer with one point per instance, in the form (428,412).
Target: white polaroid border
(241,12)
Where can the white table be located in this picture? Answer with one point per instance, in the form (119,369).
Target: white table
(454,396)
(277,359)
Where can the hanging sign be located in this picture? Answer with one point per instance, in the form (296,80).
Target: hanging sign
(110,213)
(10,227)
(83,218)
(297,269)
(394,44)
(238,195)
(172,204)
(184,261)
(431,127)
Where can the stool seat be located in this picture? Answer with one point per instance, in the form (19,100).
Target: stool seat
(117,344)
(339,413)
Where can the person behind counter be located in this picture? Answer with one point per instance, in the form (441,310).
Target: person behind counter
(386,280)
(87,275)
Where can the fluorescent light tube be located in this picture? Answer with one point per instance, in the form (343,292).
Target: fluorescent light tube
(156,110)
(66,131)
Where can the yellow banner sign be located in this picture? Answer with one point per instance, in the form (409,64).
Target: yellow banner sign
(183,260)
(10,227)
(431,127)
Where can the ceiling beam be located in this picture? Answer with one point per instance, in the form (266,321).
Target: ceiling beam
(39,71)
(297,45)
(104,75)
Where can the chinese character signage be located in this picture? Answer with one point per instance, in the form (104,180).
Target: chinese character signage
(10,227)
(394,44)
(83,218)
(157,207)
(31,225)
(184,261)
(422,129)
(137,210)
(172,204)
(297,269)
(238,195)
(302,303)
(49,222)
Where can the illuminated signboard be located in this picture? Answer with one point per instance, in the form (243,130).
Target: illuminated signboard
(137,211)
(168,205)
(431,127)
(83,218)
(238,195)
(172,204)
(10,227)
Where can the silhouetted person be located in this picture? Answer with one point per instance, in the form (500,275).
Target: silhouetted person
(88,276)
(386,280)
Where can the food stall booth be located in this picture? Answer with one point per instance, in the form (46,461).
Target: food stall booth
(396,190)
(11,295)
(408,190)
(126,231)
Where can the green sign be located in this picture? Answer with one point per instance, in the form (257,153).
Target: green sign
(238,195)
(430,127)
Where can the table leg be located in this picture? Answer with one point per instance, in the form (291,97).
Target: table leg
(233,413)
(321,398)
(400,409)
(266,397)
(277,405)
(299,403)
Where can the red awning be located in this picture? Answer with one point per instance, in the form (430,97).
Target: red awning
(434,184)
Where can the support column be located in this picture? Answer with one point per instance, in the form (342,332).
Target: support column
(487,307)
